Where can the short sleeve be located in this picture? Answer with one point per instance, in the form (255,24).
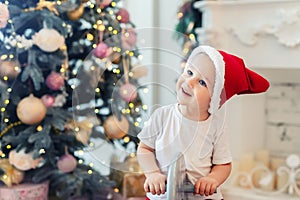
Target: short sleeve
(151,130)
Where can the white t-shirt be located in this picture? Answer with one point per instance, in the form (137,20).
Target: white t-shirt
(202,143)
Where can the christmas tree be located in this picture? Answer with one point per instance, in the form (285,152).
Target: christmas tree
(68,72)
(189,19)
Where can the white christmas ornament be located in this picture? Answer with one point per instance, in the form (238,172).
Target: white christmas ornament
(48,40)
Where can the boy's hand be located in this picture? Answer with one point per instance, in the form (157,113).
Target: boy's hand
(155,183)
(206,186)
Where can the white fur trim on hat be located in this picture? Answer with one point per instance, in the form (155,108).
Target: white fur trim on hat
(219,64)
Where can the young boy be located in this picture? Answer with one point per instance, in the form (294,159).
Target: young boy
(195,126)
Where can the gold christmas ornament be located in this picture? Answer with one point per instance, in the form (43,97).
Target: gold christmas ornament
(31,110)
(11,69)
(83,129)
(11,174)
(23,161)
(77,13)
(115,57)
(114,128)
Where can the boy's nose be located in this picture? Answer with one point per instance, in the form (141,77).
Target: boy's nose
(191,82)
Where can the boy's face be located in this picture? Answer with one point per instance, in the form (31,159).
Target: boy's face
(195,85)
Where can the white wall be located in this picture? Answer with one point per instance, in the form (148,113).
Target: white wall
(155,22)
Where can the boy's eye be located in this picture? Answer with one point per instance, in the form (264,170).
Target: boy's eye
(203,83)
(189,72)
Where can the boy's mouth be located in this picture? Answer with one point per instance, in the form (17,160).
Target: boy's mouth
(184,92)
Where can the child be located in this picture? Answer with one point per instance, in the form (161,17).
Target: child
(194,126)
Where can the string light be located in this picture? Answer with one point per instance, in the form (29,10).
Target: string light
(116,190)
(146,90)
(89,36)
(97,90)
(126,139)
(42,151)
(39,128)
(131,105)
(140,57)
(4,57)
(80,152)
(179,15)
(90,171)
(91,144)
(145,107)
(8,146)
(136,124)
(80,161)
(113,4)
(92,68)
(192,36)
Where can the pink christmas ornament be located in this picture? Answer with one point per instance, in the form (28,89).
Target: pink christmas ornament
(101,50)
(48,100)
(23,161)
(67,163)
(55,81)
(103,3)
(128,92)
(123,16)
(128,38)
(4,15)
(48,40)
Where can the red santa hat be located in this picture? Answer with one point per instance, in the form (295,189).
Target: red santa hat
(231,77)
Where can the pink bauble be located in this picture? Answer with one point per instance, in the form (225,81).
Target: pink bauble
(128,39)
(103,3)
(123,16)
(55,81)
(101,50)
(128,92)
(4,15)
(67,163)
(48,100)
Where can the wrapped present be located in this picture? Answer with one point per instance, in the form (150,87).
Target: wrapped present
(25,191)
(133,185)
(128,177)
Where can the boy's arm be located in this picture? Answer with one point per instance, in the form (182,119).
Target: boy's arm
(207,185)
(147,159)
(155,180)
(220,172)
